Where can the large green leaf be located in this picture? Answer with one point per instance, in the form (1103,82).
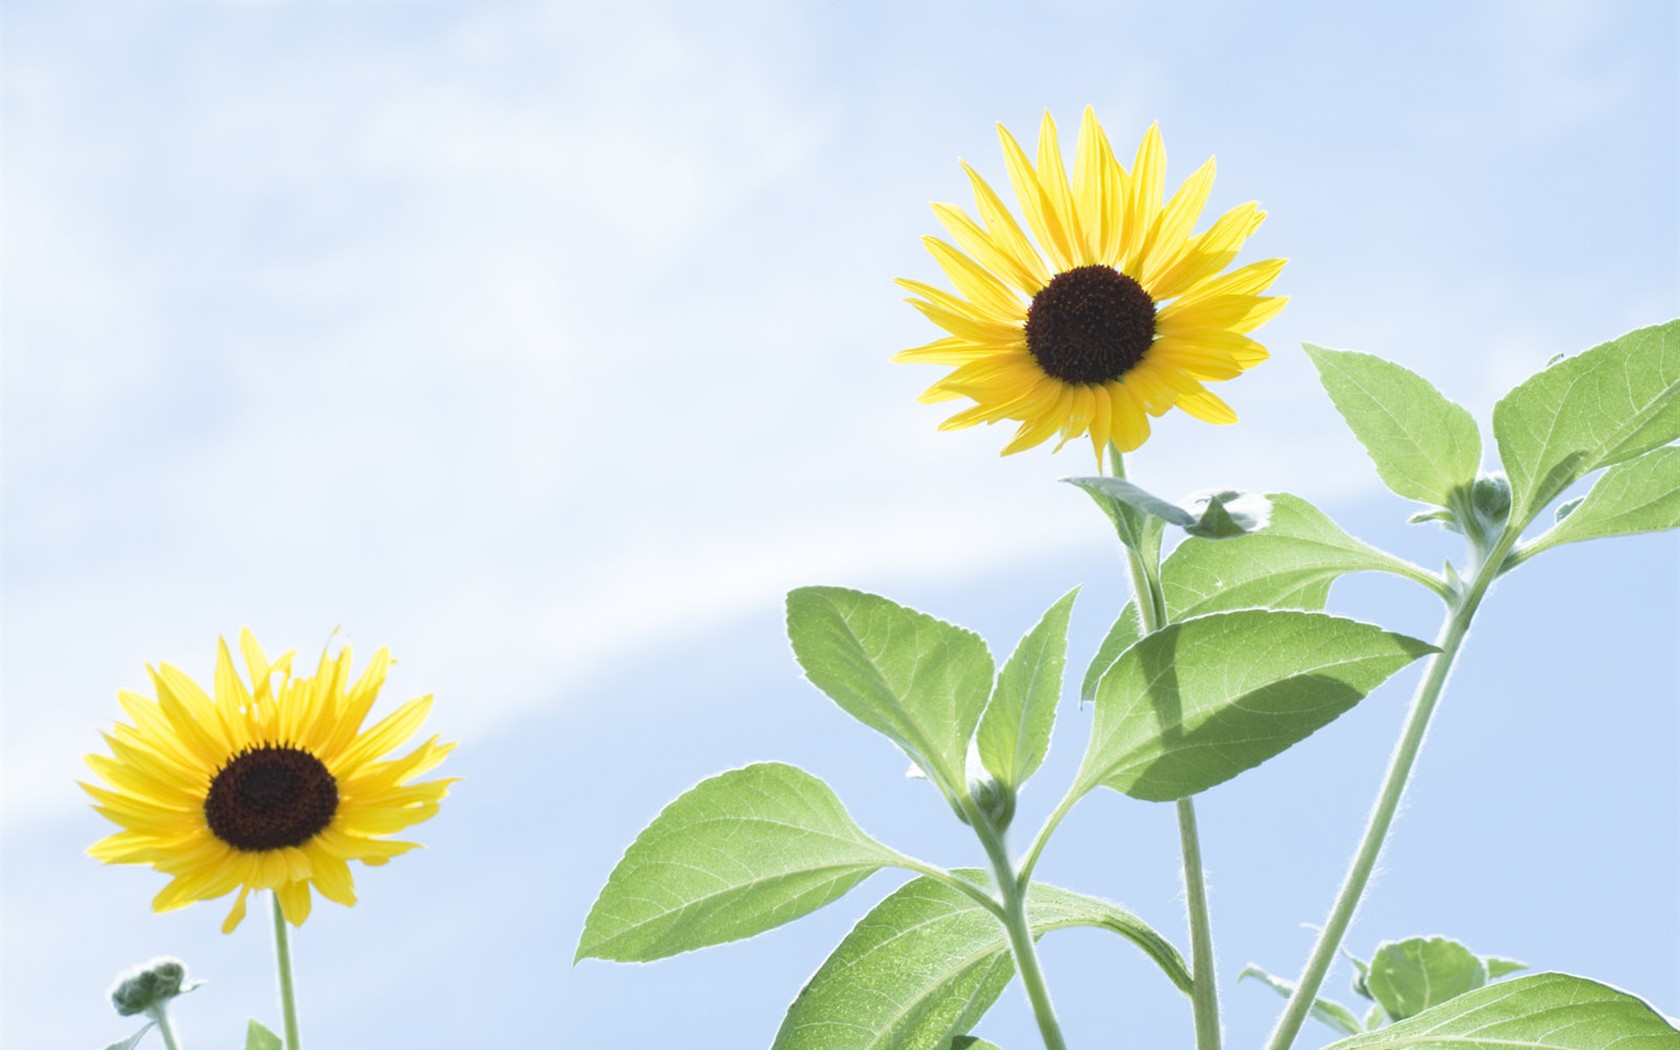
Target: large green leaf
(1199,701)
(1640,495)
(1548,1011)
(1593,410)
(1126,630)
(1408,977)
(1329,1011)
(738,854)
(927,962)
(1014,734)
(920,681)
(1424,446)
(1288,565)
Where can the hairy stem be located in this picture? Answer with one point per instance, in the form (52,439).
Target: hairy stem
(1400,765)
(166,1028)
(1021,944)
(1204,984)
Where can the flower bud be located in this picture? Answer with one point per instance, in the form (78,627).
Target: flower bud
(149,985)
(996,801)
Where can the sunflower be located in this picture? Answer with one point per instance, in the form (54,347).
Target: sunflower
(1119,314)
(274,786)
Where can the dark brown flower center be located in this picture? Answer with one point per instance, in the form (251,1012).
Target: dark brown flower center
(270,797)
(1089,325)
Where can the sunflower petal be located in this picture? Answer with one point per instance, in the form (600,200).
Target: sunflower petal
(1148,177)
(1053,177)
(1035,203)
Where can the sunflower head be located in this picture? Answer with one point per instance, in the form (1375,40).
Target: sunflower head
(1113,312)
(271,785)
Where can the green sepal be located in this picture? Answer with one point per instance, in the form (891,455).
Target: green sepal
(1014,733)
(1546,1011)
(917,680)
(258,1037)
(971,1042)
(1596,409)
(928,961)
(1408,977)
(1424,446)
(1202,700)
(134,1040)
(1328,1011)
(739,853)
(1436,514)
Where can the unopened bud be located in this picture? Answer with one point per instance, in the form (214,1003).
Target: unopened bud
(995,800)
(149,985)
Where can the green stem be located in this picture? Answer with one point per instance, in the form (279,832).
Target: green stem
(1204,986)
(1021,944)
(1400,765)
(1038,843)
(166,1028)
(283,961)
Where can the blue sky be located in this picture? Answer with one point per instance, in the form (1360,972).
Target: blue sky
(547,345)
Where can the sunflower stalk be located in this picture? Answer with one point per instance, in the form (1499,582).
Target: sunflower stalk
(1144,560)
(1451,642)
(283,963)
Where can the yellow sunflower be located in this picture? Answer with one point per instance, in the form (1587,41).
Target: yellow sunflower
(1119,314)
(274,786)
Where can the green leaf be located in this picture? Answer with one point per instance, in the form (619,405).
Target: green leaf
(1328,1011)
(1127,494)
(1424,446)
(919,681)
(1361,972)
(1593,410)
(258,1037)
(1547,1011)
(1198,702)
(1288,565)
(928,961)
(1375,1018)
(1120,637)
(738,854)
(132,1041)
(1408,977)
(1640,495)
(1137,530)
(969,1042)
(1498,966)
(1014,734)
(1227,513)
